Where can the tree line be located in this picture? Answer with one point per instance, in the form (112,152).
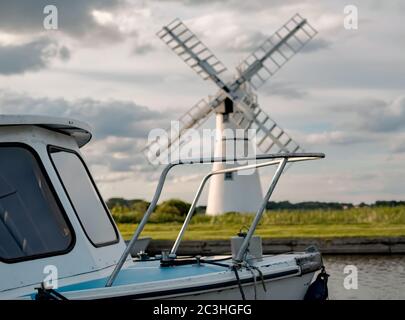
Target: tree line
(177,207)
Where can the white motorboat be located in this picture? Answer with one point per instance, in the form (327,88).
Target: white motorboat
(59,241)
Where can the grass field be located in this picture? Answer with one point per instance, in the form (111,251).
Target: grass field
(357,222)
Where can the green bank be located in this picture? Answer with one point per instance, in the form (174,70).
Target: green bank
(352,222)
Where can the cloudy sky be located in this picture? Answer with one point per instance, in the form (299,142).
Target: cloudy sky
(343,95)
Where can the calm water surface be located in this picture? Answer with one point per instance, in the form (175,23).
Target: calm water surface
(379,277)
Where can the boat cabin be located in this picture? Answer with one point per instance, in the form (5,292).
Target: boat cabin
(56,230)
(51,212)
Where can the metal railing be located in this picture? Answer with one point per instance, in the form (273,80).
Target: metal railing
(281,159)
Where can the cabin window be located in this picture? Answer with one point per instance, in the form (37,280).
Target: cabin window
(85,199)
(32,223)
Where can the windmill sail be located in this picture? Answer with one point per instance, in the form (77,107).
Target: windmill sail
(269,136)
(275,52)
(235,102)
(253,71)
(192,51)
(193,118)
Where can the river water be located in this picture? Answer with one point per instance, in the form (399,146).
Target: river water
(378,276)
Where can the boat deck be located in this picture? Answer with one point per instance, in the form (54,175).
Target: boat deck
(146,272)
(148,279)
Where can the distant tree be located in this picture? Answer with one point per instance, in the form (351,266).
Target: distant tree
(308,205)
(116,202)
(121,204)
(391,203)
(173,206)
(139,206)
(200,209)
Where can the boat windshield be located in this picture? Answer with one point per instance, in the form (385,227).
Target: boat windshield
(84,197)
(32,221)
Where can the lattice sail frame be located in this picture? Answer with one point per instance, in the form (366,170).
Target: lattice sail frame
(256,69)
(193,118)
(248,115)
(192,51)
(265,61)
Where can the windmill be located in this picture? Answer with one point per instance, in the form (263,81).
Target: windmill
(235,105)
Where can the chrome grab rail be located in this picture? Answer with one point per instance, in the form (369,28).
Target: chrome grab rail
(260,211)
(280,158)
(200,189)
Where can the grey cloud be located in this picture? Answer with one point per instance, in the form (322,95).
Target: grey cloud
(316,44)
(120,127)
(64,53)
(387,118)
(399,148)
(285,90)
(120,118)
(123,145)
(376,115)
(119,155)
(236,4)
(109,118)
(195,2)
(245,42)
(143,48)
(367,121)
(118,76)
(334,138)
(248,42)
(366,176)
(121,165)
(74,17)
(30,56)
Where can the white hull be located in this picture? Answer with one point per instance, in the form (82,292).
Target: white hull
(293,288)
(286,277)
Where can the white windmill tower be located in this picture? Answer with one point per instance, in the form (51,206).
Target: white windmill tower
(235,106)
